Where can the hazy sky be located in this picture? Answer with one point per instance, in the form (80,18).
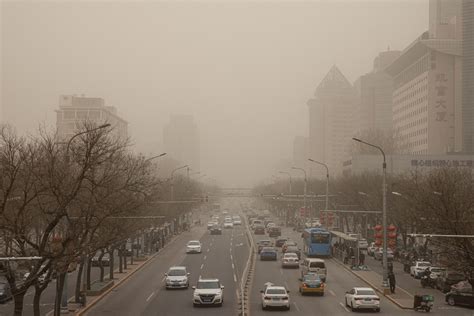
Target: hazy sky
(243,69)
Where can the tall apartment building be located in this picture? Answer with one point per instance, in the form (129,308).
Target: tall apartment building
(75,110)
(375,90)
(331,123)
(181,140)
(468,75)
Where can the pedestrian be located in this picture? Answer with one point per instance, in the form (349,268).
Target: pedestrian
(392,282)
(361,259)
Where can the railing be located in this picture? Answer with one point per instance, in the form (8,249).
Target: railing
(247,275)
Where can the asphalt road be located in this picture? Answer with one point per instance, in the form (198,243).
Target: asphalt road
(223,257)
(339,280)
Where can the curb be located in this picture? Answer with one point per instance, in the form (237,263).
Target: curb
(82,311)
(375,287)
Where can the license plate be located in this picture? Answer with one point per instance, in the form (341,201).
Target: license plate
(276,298)
(367,299)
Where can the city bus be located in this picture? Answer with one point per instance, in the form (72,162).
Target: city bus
(317,242)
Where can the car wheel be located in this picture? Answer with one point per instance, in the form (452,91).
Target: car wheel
(352,307)
(451,301)
(195,305)
(377,310)
(345,301)
(288,308)
(263,307)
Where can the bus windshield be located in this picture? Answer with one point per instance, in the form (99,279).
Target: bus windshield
(318,238)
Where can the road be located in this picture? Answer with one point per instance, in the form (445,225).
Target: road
(223,257)
(339,280)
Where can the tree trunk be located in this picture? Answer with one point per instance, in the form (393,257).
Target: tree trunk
(101,266)
(78,280)
(37,298)
(59,292)
(111,264)
(88,277)
(120,253)
(18,300)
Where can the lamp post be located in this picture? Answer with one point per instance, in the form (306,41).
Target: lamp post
(384,212)
(172,179)
(305,187)
(289,175)
(158,156)
(327,180)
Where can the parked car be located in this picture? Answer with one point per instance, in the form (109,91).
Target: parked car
(5,292)
(177,277)
(464,298)
(448,279)
(268,253)
(290,260)
(105,260)
(311,283)
(208,292)
(362,298)
(280,241)
(275,296)
(418,268)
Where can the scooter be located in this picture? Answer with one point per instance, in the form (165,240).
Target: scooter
(427,281)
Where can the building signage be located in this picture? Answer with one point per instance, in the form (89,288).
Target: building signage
(441,163)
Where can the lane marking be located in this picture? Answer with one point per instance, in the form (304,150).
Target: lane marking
(150,296)
(343,306)
(296,306)
(164,278)
(332,292)
(235,279)
(286,285)
(233,267)
(202,265)
(231,256)
(205,257)
(281,271)
(207,249)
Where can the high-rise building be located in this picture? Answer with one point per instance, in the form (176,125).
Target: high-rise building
(181,140)
(331,120)
(300,151)
(468,75)
(444,19)
(375,95)
(74,111)
(427,96)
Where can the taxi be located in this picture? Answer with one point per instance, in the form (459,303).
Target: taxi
(311,283)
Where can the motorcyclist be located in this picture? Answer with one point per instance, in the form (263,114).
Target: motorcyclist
(426,273)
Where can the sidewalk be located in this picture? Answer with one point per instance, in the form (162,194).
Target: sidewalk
(402,298)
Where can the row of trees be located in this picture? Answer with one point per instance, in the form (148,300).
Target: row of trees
(64,201)
(440,202)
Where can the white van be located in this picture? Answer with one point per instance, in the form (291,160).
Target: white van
(317,266)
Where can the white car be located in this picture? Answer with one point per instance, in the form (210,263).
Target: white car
(436,272)
(418,268)
(237,220)
(275,296)
(372,249)
(290,260)
(228,224)
(208,292)
(193,246)
(362,298)
(363,244)
(378,255)
(177,277)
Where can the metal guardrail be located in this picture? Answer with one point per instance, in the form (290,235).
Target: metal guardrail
(247,275)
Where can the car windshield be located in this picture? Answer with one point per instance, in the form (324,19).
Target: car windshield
(290,255)
(365,292)
(276,291)
(177,272)
(208,285)
(311,277)
(193,243)
(317,265)
(318,238)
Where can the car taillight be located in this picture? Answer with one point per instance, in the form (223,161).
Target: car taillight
(376,299)
(305,285)
(285,298)
(322,284)
(267,298)
(358,298)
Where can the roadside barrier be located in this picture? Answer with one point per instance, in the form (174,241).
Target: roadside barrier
(247,275)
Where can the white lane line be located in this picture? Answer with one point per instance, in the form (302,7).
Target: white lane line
(296,306)
(233,267)
(286,285)
(163,280)
(332,292)
(207,249)
(150,296)
(235,278)
(231,256)
(202,265)
(340,303)
(205,257)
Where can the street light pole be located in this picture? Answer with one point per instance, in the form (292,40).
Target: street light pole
(327,180)
(289,175)
(384,212)
(305,187)
(158,156)
(172,179)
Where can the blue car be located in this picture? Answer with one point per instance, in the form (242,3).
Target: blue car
(268,253)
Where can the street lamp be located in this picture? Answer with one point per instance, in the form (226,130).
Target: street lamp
(384,212)
(172,179)
(327,180)
(305,186)
(289,175)
(158,156)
